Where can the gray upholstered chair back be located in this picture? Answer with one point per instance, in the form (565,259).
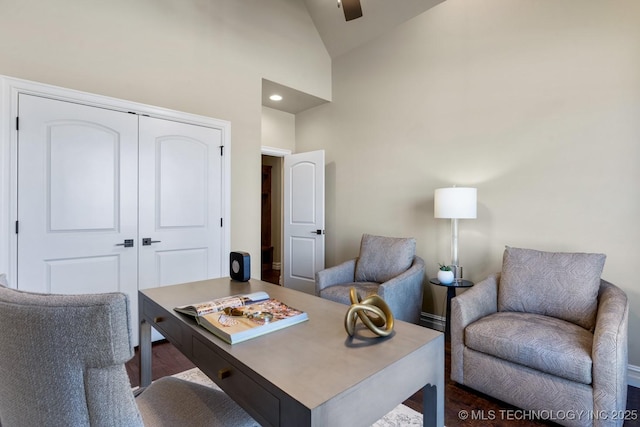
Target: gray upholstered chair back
(62,360)
(386,266)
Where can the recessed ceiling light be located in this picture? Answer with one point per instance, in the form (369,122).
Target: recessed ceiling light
(275,98)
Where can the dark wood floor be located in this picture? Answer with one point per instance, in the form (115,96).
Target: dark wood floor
(461,402)
(271,276)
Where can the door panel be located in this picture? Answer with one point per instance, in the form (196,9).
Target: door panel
(84,275)
(180,202)
(303,258)
(303,217)
(77,198)
(83,177)
(303,192)
(181,165)
(182,266)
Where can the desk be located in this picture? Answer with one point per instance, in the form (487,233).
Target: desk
(451,293)
(309,374)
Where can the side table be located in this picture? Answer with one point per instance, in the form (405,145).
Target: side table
(451,293)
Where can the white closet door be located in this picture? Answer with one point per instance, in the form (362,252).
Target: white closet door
(77,198)
(180,202)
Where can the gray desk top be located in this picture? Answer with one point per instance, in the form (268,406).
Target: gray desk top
(314,360)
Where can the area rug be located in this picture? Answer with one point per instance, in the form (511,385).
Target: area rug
(401,416)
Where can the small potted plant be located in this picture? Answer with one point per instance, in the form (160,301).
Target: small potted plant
(445,275)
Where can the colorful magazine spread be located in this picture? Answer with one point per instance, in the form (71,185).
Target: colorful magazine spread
(242,317)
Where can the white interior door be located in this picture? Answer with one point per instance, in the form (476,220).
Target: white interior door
(303,219)
(180,202)
(77,198)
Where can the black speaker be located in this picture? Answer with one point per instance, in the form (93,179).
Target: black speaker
(240,266)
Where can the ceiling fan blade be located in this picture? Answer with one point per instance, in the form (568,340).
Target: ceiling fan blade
(352,9)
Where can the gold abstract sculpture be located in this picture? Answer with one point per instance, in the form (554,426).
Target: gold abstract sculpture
(373,311)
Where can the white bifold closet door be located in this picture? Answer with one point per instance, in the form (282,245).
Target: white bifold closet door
(112,201)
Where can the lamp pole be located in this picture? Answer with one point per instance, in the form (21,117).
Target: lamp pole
(457,270)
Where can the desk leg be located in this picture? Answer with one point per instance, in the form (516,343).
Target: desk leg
(432,408)
(433,391)
(145,354)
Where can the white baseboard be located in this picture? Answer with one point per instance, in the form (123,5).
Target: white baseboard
(432,321)
(438,322)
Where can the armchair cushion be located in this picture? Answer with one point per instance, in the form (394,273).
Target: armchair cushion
(561,285)
(382,258)
(543,343)
(341,293)
(341,273)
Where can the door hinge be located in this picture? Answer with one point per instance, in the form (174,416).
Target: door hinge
(17,123)
(222,150)
(17,227)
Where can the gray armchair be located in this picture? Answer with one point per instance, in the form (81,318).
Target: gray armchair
(547,334)
(62,364)
(387,266)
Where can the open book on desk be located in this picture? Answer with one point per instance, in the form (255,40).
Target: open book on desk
(242,317)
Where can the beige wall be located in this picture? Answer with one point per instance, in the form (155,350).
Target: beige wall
(535,103)
(205,57)
(278,129)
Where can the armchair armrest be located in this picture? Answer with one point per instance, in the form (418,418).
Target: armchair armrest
(475,303)
(341,273)
(405,290)
(610,352)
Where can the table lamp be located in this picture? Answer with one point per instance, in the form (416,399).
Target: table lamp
(455,203)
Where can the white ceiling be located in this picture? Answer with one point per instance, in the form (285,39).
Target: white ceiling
(340,36)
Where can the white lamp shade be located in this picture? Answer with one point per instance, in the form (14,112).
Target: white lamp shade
(456,202)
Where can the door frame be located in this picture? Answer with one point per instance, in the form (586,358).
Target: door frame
(11,87)
(274,152)
(281,153)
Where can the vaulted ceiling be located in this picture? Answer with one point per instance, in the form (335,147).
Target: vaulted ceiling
(378,17)
(340,36)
